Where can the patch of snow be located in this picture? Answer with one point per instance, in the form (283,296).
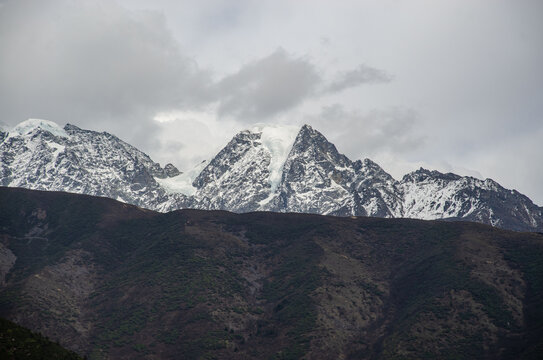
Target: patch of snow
(278,140)
(267,200)
(426,199)
(56,147)
(30,125)
(182,183)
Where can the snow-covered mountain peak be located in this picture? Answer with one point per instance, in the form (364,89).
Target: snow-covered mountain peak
(39,154)
(264,168)
(307,130)
(306,127)
(31,125)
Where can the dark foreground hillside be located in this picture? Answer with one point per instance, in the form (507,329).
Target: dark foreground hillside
(110,280)
(17,342)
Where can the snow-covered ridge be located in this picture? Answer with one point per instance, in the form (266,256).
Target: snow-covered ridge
(30,125)
(39,154)
(265,168)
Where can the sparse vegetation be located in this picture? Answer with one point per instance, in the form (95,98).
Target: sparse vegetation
(272,286)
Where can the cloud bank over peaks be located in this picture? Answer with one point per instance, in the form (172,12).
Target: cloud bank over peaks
(102,66)
(280,81)
(91,61)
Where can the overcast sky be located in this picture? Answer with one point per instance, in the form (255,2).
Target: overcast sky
(449,85)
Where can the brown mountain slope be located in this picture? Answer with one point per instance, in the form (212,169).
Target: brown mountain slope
(110,280)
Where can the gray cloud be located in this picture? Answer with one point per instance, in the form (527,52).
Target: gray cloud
(359,135)
(99,65)
(267,86)
(476,86)
(280,82)
(363,74)
(92,63)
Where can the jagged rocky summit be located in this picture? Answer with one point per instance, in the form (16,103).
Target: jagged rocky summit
(266,168)
(40,155)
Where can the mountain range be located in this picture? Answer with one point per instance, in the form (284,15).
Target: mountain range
(266,168)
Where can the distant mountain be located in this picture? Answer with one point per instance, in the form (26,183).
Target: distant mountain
(110,280)
(267,168)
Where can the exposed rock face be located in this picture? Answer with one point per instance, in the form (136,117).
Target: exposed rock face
(7,259)
(63,289)
(271,168)
(171,170)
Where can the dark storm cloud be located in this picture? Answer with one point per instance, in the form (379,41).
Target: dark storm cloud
(361,75)
(267,86)
(91,63)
